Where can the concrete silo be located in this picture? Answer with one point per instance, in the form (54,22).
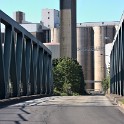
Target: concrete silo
(99,56)
(85,55)
(68,43)
(110,33)
(55,35)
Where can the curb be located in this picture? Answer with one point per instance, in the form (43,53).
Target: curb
(15,100)
(115,99)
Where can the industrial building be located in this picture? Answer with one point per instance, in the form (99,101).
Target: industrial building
(51,18)
(41,32)
(93,43)
(54,48)
(19,17)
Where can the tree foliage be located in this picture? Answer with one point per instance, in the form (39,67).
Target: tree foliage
(106,83)
(68,76)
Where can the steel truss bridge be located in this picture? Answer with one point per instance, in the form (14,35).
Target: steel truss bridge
(117,61)
(25,63)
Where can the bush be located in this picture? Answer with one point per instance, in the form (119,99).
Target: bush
(64,94)
(56,92)
(68,76)
(106,84)
(75,94)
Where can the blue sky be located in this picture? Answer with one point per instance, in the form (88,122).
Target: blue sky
(87,10)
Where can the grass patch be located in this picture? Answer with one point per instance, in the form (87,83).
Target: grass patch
(122,100)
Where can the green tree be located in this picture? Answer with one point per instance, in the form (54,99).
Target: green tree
(68,76)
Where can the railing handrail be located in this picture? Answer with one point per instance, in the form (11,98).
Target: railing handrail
(6,19)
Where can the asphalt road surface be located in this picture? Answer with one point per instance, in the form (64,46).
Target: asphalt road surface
(63,110)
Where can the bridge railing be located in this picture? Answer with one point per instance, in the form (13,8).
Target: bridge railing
(117,61)
(25,63)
